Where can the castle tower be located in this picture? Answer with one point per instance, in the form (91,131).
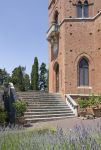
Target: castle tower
(74,37)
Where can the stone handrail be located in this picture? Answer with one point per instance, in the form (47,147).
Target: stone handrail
(72,104)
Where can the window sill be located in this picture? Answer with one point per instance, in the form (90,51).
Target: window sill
(84,87)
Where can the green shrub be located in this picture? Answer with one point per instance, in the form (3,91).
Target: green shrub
(3,117)
(99,99)
(92,100)
(20,107)
(1,109)
(83,103)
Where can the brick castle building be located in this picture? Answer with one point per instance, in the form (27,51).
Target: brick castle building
(74,37)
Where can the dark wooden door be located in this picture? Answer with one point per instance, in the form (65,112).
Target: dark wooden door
(57,79)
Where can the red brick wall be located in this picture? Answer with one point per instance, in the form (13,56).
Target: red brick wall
(77,38)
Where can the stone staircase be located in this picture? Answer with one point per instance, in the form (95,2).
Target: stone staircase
(44,106)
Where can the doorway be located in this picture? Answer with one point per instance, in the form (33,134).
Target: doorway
(57,77)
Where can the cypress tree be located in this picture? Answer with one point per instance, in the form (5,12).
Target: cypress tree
(27,82)
(43,78)
(35,75)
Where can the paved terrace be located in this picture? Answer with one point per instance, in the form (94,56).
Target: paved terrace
(66,123)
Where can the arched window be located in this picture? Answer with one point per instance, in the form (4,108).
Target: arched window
(79,9)
(82,9)
(83,72)
(85,8)
(56,17)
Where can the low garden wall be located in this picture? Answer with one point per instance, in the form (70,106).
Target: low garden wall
(88,105)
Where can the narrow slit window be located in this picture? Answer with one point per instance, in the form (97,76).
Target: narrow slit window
(56,17)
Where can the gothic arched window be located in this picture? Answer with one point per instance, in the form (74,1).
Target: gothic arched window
(85,9)
(79,9)
(83,72)
(82,9)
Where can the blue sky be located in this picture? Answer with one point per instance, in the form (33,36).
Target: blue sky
(23,26)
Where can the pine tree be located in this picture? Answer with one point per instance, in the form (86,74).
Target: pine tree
(43,78)
(35,75)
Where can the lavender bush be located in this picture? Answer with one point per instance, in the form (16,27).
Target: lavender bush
(80,138)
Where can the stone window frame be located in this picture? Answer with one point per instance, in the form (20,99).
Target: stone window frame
(83,72)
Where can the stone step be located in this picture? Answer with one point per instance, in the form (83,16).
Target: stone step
(36,94)
(48,115)
(47,104)
(43,97)
(32,97)
(46,112)
(34,120)
(41,93)
(44,107)
(43,101)
(40,100)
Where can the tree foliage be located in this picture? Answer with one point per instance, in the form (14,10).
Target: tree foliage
(18,78)
(43,78)
(35,75)
(27,82)
(4,76)
(21,80)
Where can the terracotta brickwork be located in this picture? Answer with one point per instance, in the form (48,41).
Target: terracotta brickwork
(78,38)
